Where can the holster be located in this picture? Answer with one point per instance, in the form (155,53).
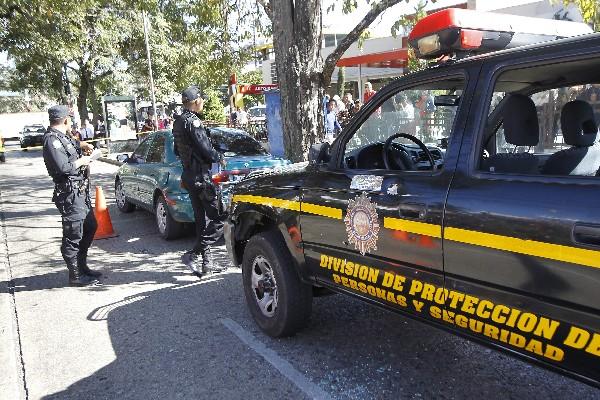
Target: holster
(201,176)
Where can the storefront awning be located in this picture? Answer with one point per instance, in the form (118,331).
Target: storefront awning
(387,59)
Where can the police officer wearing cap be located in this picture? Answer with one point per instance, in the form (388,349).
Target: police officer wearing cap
(67,163)
(194,148)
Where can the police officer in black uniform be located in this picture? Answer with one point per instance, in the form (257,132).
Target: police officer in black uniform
(67,163)
(194,148)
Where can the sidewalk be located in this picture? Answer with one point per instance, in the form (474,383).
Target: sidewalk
(12,382)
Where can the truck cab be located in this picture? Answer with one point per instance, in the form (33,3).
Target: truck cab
(479,215)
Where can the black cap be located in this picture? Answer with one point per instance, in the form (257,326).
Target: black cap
(56,113)
(191,93)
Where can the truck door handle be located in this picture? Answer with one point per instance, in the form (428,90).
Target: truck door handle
(413,210)
(588,234)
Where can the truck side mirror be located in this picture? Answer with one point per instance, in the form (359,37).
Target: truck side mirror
(319,153)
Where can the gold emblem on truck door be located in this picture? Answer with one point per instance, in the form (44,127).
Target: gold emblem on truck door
(362,224)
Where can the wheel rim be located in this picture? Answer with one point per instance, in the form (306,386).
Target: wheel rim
(264,286)
(120,195)
(161,217)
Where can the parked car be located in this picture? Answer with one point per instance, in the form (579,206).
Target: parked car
(257,114)
(499,245)
(32,135)
(150,178)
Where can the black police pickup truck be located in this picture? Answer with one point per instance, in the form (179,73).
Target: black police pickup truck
(495,236)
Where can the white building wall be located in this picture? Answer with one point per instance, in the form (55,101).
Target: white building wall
(528,8)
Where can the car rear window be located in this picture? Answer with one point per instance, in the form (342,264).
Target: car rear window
(237,144)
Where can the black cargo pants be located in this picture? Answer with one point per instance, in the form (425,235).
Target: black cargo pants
(78,223)
(205,203)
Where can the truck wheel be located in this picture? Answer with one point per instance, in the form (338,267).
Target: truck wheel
(122,204)
(279,302)
(167,226)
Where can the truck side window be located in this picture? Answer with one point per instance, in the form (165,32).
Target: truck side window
(553,131)
(427,113)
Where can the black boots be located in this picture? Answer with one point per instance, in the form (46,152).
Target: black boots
(201,264)
(78,278)
(208,265)
(83,268)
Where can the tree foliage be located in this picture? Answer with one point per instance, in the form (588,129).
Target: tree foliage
(404,25)
(301,71)
(251,78)
(101,43)
(213,107)
(590,11)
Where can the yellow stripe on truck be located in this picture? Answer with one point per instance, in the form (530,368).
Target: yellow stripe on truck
(574,255)
(267,201)
(590,258)
(405,225)
(324,211)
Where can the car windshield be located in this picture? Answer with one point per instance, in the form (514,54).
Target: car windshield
(34,128)
(236,143)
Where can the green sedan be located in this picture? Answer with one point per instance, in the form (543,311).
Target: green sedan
(150,178)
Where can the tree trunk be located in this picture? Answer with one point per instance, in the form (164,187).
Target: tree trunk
(341,81)
(95,103)
(85,77)
(299,72)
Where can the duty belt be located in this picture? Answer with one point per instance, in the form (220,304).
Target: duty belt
(71,184)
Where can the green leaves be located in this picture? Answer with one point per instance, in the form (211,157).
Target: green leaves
(102,43)
(590,11)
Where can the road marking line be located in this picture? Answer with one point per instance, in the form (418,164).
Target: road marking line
(284,367)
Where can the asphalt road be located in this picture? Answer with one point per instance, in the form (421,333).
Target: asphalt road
(154,331)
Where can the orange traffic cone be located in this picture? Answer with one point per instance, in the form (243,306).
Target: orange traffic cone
(105,228)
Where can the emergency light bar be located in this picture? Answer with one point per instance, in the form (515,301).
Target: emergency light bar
(458,31)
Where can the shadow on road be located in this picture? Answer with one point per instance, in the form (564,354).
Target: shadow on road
(170,343)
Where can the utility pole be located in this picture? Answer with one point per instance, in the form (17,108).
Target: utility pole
(150,67)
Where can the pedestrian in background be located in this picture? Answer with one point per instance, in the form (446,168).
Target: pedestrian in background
(369,92)
(148,125)
(332,125)
(194,148)
(242,117)
(2,156)
(87,130)
(67,163)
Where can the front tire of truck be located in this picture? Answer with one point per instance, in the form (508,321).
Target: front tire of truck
(278,300)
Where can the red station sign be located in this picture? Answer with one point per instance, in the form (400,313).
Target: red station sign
(256,89)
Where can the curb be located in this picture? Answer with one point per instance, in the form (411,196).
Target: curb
(14,384)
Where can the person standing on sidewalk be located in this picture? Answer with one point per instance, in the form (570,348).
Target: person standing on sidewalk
(194,148)
(67,163)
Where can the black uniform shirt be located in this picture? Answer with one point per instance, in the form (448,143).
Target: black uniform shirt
(60,153)
(200,141)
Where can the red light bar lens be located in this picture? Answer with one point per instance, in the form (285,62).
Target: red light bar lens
(470,39)
(465,32)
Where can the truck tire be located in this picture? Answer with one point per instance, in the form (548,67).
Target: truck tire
(167,226)
(278,300)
